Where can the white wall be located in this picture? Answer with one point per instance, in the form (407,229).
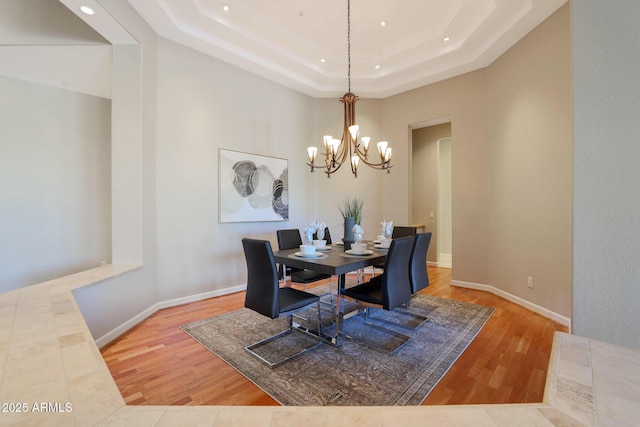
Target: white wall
(113,305)
(38,22)
(44,42)
(55,172)
(606,281)
(70,184)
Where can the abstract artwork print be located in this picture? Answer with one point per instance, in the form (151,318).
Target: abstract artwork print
(253,188)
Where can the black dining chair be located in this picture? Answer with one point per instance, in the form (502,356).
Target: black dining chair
(291,239)
(403,231)
(391,291)
(418,274)
(397,232)
(265,296)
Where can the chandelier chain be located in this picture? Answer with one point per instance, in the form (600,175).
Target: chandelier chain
(338,151)
(349,43)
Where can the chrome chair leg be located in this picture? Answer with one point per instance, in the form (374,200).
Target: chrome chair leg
(273,364)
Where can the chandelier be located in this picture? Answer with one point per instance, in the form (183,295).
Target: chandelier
(351,146)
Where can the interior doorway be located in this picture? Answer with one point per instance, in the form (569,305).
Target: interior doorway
(431,187)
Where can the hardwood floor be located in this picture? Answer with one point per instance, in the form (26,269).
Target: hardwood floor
(155,363)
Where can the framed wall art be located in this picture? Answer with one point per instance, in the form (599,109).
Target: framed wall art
(252,188)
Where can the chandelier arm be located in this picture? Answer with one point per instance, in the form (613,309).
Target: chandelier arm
(330,170)
(351,153)
(381,165)
(332,163)
(359,152)
(342,154)
(335,169)
(326,170)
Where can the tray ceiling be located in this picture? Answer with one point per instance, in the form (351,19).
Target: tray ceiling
(303,43)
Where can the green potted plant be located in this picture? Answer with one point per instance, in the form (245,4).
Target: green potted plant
(351,210)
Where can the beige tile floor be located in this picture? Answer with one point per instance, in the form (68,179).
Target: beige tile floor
(52,373)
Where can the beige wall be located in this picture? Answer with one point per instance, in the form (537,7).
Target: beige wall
(464,100)
(445,216)
(530,166)
(512,165)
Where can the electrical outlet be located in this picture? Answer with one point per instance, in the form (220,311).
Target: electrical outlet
(530,282)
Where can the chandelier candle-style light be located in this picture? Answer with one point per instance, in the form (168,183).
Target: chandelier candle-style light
(336,151)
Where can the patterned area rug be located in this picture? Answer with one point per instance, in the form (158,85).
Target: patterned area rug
(357,372)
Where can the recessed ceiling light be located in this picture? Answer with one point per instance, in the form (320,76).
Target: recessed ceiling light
(87,10)
(323,60)
(377,67)
(446,39)
(225,7)
(383,23)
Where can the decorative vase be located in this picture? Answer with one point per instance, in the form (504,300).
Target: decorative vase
(348,238)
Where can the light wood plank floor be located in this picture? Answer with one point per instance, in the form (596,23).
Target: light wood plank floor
(155,363)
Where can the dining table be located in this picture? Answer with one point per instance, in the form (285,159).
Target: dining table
(336,261)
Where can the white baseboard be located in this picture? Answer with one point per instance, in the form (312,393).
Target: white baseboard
(445,257)
(563,320)
(124,327)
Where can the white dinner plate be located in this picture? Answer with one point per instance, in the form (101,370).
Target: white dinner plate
(313,255)
(384,248)
(351,252)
